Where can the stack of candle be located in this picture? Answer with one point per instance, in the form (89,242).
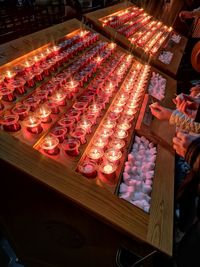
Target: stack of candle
(138,174)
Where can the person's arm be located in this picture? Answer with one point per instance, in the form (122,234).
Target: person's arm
(183,122)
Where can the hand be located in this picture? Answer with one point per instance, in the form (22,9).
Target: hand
(182,141)
(185,15)
(189,108)
(195,91)
(160,112)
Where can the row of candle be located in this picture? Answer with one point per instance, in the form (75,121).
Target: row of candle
(72,128)
(115,127)
(17,81)
(35,103)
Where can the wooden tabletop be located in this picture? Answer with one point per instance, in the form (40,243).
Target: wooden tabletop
(154,228)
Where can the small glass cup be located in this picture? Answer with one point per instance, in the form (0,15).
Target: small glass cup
(44,112)
(67,123)
(7,94)
(95,154)
(107,172)
(117,144)
(32,102)
(59,132)
(50,145)
(88,169)
(10,123)
(33,124)
(79,134)
(71,146)
(113,155)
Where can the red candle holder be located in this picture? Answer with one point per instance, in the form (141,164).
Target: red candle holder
(79,134)
(73,114)
(95,109)
(10,123)
(32,103)
(71,146)
(19,69)
(107,172)
(53,106)
(113,116)
(9,75)
(21,110)
(59,132)
(7,94)
(28,65)
(123,125)
(91,117)
(59,98)
(29,78)
(43,112)
(18,86)
(88,169)
(80,106)
(67,123)
(50,145)
(85,124)
(41,95)
(33,124)
(120,134)
(72,86)
(38,73)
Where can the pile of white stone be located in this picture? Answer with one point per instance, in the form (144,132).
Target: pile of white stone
(165,57)
(138,174)
(157,86)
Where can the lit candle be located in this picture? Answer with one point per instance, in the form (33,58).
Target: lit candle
(10,122)
(72,86)
(109,124)
(95,109)
(107,172)
(43,112)
(124,125)
(99,141)
(116,144)
(50,145)
(71,146)
(9,75)
(33,124)
(95,154)
(85,124)
(53,106)
(88,169)
(113,155)
(59,98)
(105,133)
(117,109)
(121,134)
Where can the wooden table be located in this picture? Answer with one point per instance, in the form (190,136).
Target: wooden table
(80,207)
(94,19)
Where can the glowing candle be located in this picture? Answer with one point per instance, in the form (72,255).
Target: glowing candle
(95,109)
(85,124)
(43,113)
(59,98)
(107,172)
(10,123)
(105,133)
(116,144)
(113,155)
(33,124)
(95,154)
(100,141)
(109,124)
(9,75)
(50,145)
(124,125)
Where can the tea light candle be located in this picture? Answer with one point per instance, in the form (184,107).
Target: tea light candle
(88,169)
(124,125)
(121,134)
(32,103)
(28,64)
(105,133)
(113,155)
(59,132)
(59,98)
(95,154)
(107,172)
(9,75)
(117,144)
(109,124)
(43,112)
(113,116)
(129,112)
(67,123)
(21,110)
(41,95)
(18,86)
(72,86)
(33,124)
(7,94)
(53,106)
(10,123)
(100,141)
(29,78)
(116,109)
(85,124)
(95,109)
(79,134)
(71,146)
(73,114)
(120,102)
(50,145)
